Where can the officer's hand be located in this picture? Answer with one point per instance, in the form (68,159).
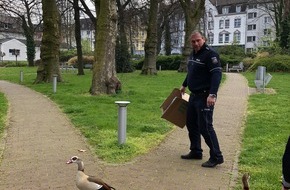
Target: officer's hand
(210,101)
(182,90)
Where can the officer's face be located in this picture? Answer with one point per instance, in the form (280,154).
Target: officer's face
(197,41)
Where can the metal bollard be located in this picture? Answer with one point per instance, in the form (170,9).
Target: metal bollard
(122,121)
(54,83)
(21,76)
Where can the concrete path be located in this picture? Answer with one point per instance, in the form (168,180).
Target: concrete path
(40,139)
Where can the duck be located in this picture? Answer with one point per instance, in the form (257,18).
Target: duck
(245,180)
(86,182)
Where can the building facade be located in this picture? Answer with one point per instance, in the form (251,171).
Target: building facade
(241,22)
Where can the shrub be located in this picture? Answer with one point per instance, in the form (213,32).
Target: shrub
(171,62)
(277,63)
(86,60)
(13,63)
(64,56)
(248,62)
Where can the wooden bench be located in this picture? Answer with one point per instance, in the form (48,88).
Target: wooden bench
(67,68)
(237,68)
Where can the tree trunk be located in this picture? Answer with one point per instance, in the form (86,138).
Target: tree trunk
(30,44)
(122,48)
(167,36)
(104,80)
(193,12)
(78,37)
(149,66)
(49,51)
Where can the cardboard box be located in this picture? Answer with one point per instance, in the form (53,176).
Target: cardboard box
(174,108)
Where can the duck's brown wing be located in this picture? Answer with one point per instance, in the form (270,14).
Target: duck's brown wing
(100,182)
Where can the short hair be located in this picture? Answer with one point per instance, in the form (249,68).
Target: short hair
(197,32)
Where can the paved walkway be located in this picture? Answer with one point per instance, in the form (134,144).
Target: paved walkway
(40,139)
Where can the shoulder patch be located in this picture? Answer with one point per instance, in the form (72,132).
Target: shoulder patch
(214,60)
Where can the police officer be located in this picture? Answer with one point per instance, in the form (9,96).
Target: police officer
(203,80)
(286,167)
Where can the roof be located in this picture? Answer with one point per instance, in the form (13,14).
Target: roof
(231,4)
(9,39)
(234,2)
(10,24)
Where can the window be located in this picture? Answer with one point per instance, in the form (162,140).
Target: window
(237,36)
(221,38)
(238,8)
(210,38)
(227,38)
(252,15)
(225,10)
(267,31)
(252,27)
(251,38)
(250,50)
(224,37)
(237,22)
(14,52)
(221,24)
(266,43)
(267,19)
(5,25)
(88,32)
(210,25)
(227,23)
(252,6)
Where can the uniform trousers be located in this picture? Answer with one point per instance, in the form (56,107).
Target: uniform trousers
(200,122)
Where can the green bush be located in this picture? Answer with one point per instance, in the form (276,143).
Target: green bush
(13,64)
(171,62)
(248,62)
(64,56)
(277,63)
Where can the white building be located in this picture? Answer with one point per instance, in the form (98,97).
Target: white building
(242,22)
(13,49)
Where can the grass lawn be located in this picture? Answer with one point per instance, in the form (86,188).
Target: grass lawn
(97,116)
(266,133)
(3,114)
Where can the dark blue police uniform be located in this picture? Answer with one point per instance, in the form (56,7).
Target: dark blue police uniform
(203,78)
(286,166)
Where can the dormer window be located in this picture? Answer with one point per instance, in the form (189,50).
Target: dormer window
(225,10)
(252,6)
(238,8)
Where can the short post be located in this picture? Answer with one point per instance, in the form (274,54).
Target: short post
(227,67)
(122,121)
(21,76)
(260,75)
(159,67)
(54,83)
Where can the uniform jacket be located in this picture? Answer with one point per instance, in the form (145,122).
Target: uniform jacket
(204,71)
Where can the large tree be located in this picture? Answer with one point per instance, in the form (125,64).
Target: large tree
(149,66)
(193,11)
(104,80)
(50,44)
